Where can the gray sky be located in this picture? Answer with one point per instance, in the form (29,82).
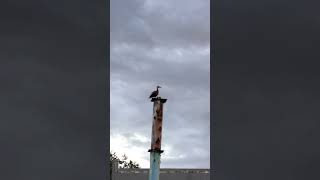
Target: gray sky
(164,43)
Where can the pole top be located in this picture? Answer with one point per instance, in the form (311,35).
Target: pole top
(159,99)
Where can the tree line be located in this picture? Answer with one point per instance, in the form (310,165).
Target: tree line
(122,162)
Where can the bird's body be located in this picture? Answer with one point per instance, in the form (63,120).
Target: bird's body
(155,93)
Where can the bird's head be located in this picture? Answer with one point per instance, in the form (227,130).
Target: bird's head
(158,87)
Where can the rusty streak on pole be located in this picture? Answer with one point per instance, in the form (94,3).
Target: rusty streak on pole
(156,137)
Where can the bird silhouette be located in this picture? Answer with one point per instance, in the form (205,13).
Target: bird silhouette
(155,93)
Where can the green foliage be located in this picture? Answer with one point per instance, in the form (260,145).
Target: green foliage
(123,162)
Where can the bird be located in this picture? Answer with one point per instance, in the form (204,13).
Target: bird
(155,93)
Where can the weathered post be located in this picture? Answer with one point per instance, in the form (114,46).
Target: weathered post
(156,135)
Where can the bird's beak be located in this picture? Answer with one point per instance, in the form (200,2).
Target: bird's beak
(159,87)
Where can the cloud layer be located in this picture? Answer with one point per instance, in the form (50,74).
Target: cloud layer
(165,43)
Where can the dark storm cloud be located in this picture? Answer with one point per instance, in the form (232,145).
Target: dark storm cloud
(164,23)
(165,72)
(53,90)
(265,90)
(161,43)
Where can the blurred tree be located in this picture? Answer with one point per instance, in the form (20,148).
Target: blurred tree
(123,162)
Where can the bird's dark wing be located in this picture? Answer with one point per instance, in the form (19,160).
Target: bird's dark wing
(153,94)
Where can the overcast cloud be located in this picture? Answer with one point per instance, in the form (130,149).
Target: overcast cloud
(162,43)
